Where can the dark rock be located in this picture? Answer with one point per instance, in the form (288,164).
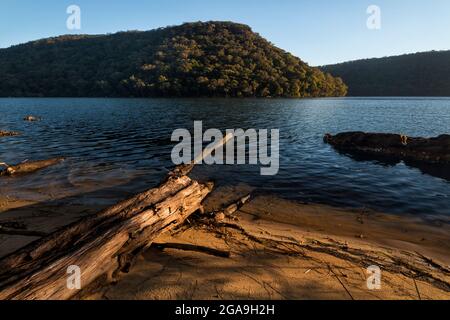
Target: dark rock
(393,146)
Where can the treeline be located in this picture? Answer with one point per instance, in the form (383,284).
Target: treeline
(214,59)
(419,74)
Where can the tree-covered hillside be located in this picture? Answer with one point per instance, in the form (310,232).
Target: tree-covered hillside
(194,59)
(420,74)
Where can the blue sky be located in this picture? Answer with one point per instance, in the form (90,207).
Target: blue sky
(318,31)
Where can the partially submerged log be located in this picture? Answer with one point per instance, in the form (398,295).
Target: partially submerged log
(8,133)
(31,118)
(105,243)
(28,167)
(393,146)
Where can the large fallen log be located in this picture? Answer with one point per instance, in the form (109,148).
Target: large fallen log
(393,146)
(105,243)
(98,244)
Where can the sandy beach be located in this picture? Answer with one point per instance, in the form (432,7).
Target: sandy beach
(279,249)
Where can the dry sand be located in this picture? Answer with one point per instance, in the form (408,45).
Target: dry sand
(287,250)
(279,250)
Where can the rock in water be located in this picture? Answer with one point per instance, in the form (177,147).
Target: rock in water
(393,146)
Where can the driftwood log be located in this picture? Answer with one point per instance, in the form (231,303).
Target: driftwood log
(8,133)
(105,243)
(191,247)
(99,244)
(393,146)
(229,210)
(27,167)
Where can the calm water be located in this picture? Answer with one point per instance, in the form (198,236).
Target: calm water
(116,147)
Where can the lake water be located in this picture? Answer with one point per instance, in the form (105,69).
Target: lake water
(117,147)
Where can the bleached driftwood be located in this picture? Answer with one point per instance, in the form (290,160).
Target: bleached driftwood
(229,210)
(98,244)
(101,244)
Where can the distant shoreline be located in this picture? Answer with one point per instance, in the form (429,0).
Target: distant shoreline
(237,98)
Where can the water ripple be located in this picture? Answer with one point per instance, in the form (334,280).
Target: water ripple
(123,146)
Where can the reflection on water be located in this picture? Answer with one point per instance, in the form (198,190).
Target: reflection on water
(437,170)
(123,146)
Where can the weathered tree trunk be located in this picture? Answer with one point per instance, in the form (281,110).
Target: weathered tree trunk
(101,243)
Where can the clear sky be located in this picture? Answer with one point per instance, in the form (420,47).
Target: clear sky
(318,31)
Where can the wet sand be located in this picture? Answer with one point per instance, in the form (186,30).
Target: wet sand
(279,250)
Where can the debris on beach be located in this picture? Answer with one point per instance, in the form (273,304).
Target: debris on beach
(106,246)
(107,243)
(27,167)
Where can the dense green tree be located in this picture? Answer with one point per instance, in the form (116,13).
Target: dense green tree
(419,74)
(213,59)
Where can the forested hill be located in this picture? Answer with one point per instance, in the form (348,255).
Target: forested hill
(419,74)
(194,59)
